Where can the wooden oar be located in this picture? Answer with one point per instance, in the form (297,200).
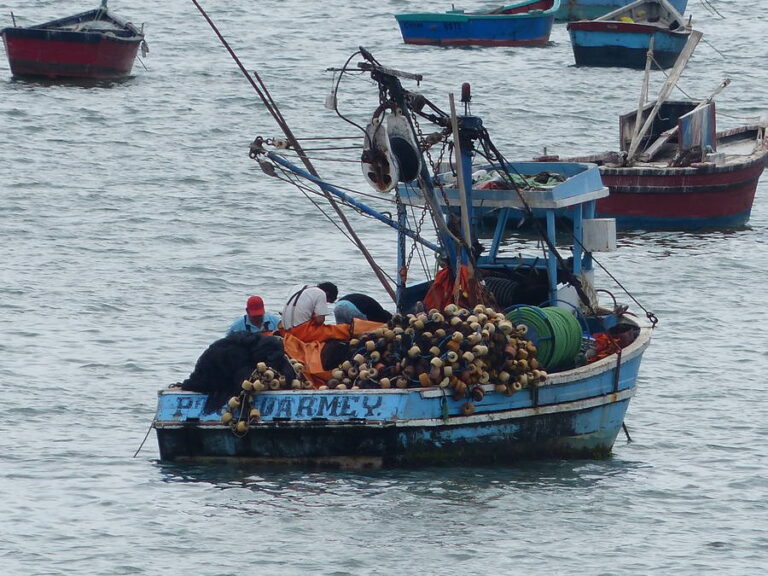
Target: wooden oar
(665,91)
(667,134)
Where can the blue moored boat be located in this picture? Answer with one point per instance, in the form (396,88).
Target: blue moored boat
(499,357)
(623,37)
(591,9)
(525,23)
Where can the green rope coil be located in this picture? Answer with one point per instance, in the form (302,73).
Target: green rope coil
(555,332)
(568,335)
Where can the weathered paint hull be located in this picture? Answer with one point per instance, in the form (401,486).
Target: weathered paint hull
(608,44)
(591,9)
(577,413)
(388,445)
(457,28)
(69,54)
(707,196)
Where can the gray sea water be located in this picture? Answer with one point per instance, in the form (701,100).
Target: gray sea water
(133,226)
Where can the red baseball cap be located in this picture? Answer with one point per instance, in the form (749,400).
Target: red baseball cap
(255,306)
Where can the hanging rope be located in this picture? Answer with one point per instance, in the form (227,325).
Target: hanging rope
(151,424)
(652,318)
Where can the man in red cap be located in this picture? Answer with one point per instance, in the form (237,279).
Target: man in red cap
(255,320)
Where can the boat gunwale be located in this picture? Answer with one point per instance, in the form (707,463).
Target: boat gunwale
(733,163)
(88,16)
(661,168)
(517,413)
(613,26)
(460,15)
(621,10)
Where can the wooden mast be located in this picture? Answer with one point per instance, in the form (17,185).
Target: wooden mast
(644,91)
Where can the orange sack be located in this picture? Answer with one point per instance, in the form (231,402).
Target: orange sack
(447,289)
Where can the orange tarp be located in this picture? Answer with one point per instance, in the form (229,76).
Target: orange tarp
(311,332)
(308,353)
(360,327)
(305,342)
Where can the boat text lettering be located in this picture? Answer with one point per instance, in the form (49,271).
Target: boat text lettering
(307,407)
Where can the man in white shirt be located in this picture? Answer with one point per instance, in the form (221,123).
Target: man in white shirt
(308,304)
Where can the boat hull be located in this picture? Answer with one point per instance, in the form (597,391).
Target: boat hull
(707,196)
(590,9)
(609,44)
(69,54)
(534,437)
(458,28)
(577,413)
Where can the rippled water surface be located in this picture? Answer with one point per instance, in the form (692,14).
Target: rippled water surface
(133,226)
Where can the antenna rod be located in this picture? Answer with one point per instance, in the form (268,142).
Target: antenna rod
(263,93)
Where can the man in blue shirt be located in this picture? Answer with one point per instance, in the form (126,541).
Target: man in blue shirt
(255,320)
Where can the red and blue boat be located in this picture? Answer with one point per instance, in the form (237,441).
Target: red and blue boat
(623,37)
(591,9)
(674,170)
(93,44)
(698,178)
(525,23)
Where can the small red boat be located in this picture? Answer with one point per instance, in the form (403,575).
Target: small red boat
(675,170)
(690,176)
(93,44)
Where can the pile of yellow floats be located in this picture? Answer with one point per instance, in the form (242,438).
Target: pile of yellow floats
(464,352)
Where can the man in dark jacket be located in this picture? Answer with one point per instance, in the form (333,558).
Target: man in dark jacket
(359,306)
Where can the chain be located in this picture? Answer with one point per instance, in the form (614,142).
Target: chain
(418,234)
(420,223)
(432,164)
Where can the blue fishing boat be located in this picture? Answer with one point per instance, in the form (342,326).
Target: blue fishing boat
(623,37)
(525,23)
(591,9)
(498,357)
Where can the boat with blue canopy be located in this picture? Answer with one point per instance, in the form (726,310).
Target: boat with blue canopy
(493,358)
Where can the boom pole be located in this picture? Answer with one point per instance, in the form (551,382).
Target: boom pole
(266,98)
